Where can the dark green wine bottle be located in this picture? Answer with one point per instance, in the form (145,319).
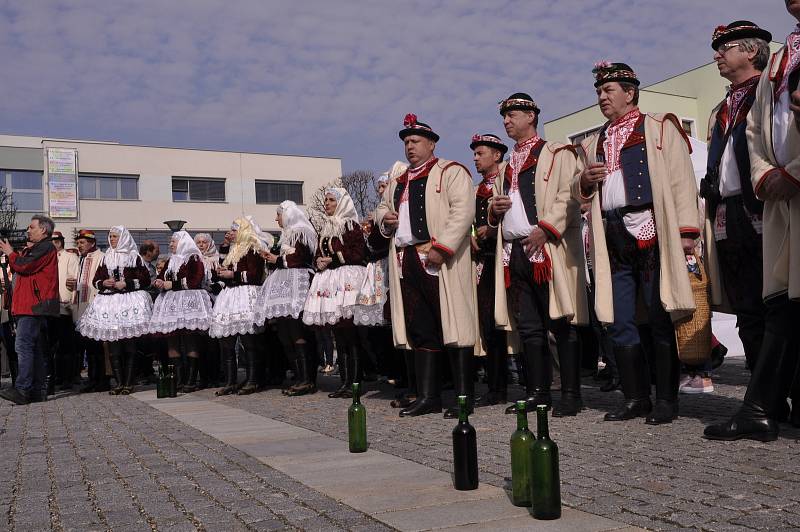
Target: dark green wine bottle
(521,442)
(161,389)
(465,450)
(172,381)
(545,481)
(357,422)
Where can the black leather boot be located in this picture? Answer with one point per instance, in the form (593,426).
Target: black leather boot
(461,364)
(354,371)
(429,399)
(228,352)
(569,356)
(407,398)
(344,371)
(538,376)
(116,367)
(635,382)
(496,373)
(770,382)
(253,358)
(130,368)
(192,370)
(667,377)
(305,374)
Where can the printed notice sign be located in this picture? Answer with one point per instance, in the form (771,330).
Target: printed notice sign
(62,182)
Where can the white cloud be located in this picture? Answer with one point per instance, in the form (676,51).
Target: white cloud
(328,78)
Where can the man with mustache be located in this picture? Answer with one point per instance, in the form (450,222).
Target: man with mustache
(639,178)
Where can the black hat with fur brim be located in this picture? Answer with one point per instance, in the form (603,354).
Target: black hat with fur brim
(740,29)
(412,127)
(605,72)
(487,139)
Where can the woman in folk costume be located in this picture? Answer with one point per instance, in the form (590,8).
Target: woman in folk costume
(236,282)
(284,293)
(209,370)
(121,310)
(183,308)
(208,252)
(334,291)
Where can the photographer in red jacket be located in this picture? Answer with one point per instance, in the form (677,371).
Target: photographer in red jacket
(35,299)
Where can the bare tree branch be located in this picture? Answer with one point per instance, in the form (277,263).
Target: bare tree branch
(360,184)
(316,205)
(8,211)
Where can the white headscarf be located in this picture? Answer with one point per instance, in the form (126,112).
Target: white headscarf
(343,217)
(211,255)
(266,238)
(125,254)
(296,228)
(183,251)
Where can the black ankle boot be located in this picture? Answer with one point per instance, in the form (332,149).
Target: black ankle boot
(191,381)
(252,359)
(667,378)
(461,364)
(770,382)
(429,400)
(569,354)
(635,382)
(751,423)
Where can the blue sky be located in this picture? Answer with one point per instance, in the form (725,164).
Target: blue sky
(330,78)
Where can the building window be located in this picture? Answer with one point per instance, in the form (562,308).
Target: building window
(277,191)
(108,187)
(25,188)
(687,125)
(576,139)
(191,189)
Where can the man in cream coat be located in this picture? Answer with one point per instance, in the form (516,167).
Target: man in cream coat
(773,138)
(428,212)
(540,278)
(639,177)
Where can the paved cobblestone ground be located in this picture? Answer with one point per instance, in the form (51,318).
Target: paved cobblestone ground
(661,478)
(94,462)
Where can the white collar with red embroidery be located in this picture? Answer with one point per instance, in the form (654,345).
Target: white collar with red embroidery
(617,134)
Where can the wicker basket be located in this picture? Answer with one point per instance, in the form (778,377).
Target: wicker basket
(694,333)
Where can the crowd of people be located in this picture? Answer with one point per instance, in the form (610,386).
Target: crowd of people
(562,255)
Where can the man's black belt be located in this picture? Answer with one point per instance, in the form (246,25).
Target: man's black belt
(628,209)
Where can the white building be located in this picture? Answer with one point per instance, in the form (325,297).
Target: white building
(86,184)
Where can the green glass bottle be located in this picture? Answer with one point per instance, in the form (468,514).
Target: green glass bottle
(545,481)
(172,381)
(161,389)
(521,468)
(465,450)
(357,422)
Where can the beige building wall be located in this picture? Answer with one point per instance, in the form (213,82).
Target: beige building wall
(691,96)
(155,168)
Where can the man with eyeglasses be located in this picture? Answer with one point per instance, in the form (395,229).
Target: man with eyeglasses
(773,138)
(733,213)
